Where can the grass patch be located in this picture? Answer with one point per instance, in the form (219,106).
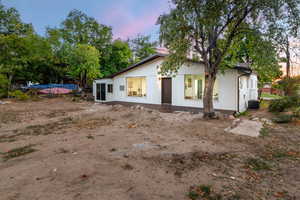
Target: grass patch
(264,104)
(257,164)
(264,132)
(205,192)
(283,118)
(17,152)
(241,114)
(270,96)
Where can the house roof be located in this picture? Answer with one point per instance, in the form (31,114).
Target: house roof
(244,67)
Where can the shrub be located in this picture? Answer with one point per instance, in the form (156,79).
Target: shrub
(296,112)
(3,86)
(19,95)
(279,105)
(290,85)
(283,119)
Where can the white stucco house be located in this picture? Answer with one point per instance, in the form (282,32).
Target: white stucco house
(142,84)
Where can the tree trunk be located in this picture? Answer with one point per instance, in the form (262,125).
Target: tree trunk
(288,59)
(210,78)
(288,64)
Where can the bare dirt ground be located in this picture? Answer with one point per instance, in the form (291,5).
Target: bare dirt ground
(56,149)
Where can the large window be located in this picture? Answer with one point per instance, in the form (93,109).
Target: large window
(136,86)
(194,87)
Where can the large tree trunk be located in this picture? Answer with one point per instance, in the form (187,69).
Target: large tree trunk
(288,64)
(288,59)
(210,78)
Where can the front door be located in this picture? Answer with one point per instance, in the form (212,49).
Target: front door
(166,90)
(103,92)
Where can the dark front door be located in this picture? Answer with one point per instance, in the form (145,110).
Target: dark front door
(103,92)
(166,90)
(98,92)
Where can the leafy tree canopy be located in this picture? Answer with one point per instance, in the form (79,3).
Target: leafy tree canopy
(84,63)
(118,58)
(142,47)
(10,22)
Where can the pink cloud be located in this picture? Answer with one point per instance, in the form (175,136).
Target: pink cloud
(136,26)
(127,21)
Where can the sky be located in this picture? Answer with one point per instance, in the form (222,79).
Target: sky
(128,18)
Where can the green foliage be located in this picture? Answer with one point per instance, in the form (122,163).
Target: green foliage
(78,28)
(118,58)
(84,63)
(283,118)
(280,105)
(296,112)
(3,86)
(264,132)
(17,152)
(258,164)
(142,47)
(252,47)
(10,22)
(203,192)
(19,95)
(290,85)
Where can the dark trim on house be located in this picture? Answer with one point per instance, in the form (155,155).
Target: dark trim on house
(167,108)
(148,59)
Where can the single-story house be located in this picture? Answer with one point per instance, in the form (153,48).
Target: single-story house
(142,83)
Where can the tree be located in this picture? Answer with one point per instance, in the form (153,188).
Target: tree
(283,29)
(209,28)
(78,28)
(142,47)
(13,56)
(254,48)
(84,63)
(10,22)
(119,57)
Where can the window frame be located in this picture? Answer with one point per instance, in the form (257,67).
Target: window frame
(189,84)
(110,88)
(127,91)
(216,94)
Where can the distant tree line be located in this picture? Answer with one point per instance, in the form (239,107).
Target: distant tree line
(79,49)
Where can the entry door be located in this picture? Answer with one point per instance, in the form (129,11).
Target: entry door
(103,92)
(98,92)
(166,91)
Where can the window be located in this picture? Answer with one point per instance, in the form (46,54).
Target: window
(110,88)
(193,86)
(122,88)
(136,86)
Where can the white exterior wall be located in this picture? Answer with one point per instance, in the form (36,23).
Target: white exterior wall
(153,84)
(227,87)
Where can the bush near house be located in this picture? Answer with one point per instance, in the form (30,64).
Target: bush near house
(19,95)
(290,85)
(280,105)
(3,86)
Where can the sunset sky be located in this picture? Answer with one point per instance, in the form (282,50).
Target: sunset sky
(127,17)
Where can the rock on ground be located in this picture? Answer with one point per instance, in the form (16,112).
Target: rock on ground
(247,127)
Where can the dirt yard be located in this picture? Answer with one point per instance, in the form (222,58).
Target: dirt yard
(56,149)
